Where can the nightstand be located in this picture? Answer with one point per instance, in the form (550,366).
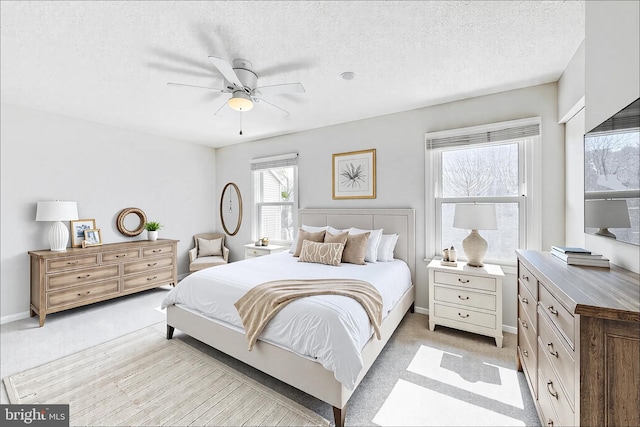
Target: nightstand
(466,298)
(252,251)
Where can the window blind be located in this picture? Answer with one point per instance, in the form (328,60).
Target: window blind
(483,137)
(274,161)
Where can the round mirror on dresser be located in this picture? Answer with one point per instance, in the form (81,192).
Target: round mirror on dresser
(231,208)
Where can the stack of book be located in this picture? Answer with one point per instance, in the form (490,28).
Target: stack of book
(579,256)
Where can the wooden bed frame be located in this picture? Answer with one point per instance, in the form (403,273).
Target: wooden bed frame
(300,372)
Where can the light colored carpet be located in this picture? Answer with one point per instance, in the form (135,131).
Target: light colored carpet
(144,379)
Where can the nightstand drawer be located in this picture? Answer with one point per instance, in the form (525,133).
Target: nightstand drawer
(465,298)
(559,315)
(465,316)
(467,281)
(80,277)
(69,263)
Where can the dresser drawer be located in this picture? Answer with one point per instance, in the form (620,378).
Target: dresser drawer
(79,277)
(461,314)
(559,315)
(528,357)
(548,414)
(80,295)
(465,298)
(526,278)
(561,359)
(526,327)
(124,255)
(156,250)
(527,304)
(472,282)
(137,267)
(69,263)
(148,279)
(549,385)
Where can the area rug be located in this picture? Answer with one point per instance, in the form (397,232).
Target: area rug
(144,379)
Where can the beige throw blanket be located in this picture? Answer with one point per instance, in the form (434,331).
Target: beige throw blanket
(258,306)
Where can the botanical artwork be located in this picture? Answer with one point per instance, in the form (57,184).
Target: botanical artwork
(354,175)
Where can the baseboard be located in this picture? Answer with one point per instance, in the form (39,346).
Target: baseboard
(505,328)
(14,317)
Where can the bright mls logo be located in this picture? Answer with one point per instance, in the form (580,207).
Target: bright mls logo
(35,415)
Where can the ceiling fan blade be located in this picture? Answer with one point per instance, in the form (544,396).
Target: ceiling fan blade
(215,89)
(280,89)
(221,107)
(273,105)
(226,70)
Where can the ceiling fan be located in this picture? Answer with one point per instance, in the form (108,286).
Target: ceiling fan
(242,83)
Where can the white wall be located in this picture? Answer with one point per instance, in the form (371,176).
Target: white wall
(399,141)
(574,182)
(104,169)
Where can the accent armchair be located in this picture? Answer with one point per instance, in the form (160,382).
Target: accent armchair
(209,251)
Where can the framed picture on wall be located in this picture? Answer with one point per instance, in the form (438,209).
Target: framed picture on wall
(92,237)
(77,230)
(354,175)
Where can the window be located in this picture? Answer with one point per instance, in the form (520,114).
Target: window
(275,186)
(485,164)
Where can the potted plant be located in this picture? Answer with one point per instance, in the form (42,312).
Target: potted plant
(152,228)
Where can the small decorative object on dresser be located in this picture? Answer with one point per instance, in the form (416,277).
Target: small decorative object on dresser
(78,277)
(92,237)
(152,228)
(466,299)
(77,230)
(579,341)
(252,250)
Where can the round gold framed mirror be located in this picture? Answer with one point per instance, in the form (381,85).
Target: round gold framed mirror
(131,221)
(231,208)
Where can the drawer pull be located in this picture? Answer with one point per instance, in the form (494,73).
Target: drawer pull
(463,299)
(550,423)
(551,351)
(86,293)
(464,317)
(525,301)
(75,262)
(550,389)
(84,277)
(157,250)
(151,278)
(552,310)
(152,265)
(525,324)
(121,256)
(463,281)
(525,277)
(526,353)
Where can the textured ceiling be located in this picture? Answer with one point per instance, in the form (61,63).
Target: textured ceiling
(109,62)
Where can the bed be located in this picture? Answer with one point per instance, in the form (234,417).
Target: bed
(288,363)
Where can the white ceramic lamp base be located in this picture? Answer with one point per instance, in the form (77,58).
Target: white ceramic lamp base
(475,248)
(58,237)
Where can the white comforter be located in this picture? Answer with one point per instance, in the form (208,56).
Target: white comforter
(331,329)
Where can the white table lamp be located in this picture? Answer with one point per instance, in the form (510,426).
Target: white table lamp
(474,217)
(605,214)
(57,211)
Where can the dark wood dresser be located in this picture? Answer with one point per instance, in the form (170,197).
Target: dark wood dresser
(579,341)
(76,277)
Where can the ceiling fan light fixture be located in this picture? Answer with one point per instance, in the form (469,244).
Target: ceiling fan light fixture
(240,101)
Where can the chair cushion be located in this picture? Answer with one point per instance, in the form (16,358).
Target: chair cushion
(209,247)
(205,262)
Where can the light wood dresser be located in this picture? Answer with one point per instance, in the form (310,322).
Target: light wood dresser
(76,277)
(579,341)
(466,298)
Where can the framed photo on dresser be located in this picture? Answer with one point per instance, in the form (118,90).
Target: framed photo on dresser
(92,237)
(78,227)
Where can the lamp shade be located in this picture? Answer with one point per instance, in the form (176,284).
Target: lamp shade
(57,211)
(475,216)
(606,214)
(240,101)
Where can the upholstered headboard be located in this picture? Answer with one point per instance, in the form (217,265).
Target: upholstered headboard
(400,221)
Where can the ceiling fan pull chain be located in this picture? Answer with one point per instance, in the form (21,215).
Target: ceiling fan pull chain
(240,122)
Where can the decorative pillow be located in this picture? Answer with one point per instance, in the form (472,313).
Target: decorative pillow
(371,254)
(310,228)
(387,245)
(308,235)
(209,247)
(336,238)
(354,250)
(321,253)
(332,230)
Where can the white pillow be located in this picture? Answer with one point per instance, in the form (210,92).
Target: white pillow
(371,253)
(309,228)
(387,246)
(335,231)
(209,247)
